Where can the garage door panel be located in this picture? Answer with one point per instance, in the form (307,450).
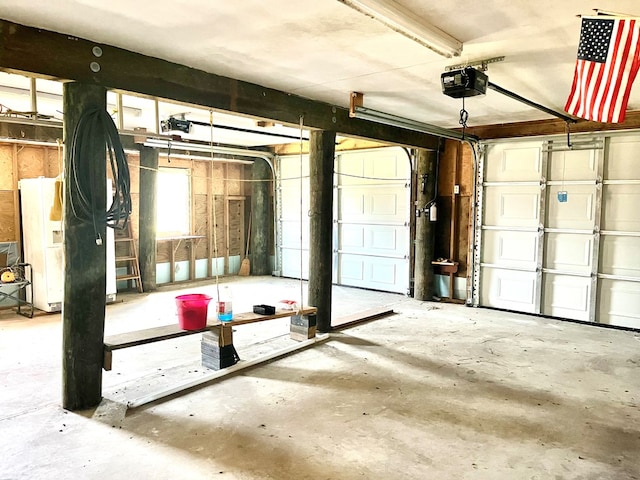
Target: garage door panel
(624,153)
(290,203)
(620,256)
(511,206)
(619,303)
(578,212)
(291,263)
(290,231)
(621,208)
(512,290)
(372,236)
(379,204)
(363,168)
(566,296)
(510,249)
(384,274)
(291,166)
(520,162)
(374,240)
(569,252)
(573,165)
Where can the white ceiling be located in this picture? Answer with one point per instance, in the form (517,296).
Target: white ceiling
(322,49)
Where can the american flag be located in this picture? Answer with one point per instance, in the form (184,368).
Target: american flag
(608,61)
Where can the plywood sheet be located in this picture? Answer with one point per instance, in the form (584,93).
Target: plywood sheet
(446,171)
(7,217)
(199,178)
(236,227)
(218,179)
(134,172)
(164,161)
(163,252)
(201,226)
(31,162)
(53,162)
(6,167)
(134,217)
(465,171)
(219,225)
(234,175)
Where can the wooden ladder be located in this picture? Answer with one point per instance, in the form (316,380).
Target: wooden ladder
(127,256)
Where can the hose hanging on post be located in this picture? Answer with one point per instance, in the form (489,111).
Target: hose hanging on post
(83,173)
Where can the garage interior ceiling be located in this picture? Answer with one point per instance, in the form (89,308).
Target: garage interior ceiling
(325,49)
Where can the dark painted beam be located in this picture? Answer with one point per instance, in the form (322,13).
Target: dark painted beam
(261,217)
(42,52)
(321,159)
(425,228)
(147,217)
(83,309)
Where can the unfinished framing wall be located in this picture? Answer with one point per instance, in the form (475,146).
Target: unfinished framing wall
(224,181)
(212,244)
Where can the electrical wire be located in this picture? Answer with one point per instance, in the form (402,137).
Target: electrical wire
(84,173)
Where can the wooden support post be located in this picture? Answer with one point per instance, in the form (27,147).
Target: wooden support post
(84,263)
(425,229)
(321,158)
(147,217)
(261,218)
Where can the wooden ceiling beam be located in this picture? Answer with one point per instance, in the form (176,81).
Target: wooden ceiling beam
(551,127)
(45,53)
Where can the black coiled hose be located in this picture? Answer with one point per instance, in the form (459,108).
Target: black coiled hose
(84,172)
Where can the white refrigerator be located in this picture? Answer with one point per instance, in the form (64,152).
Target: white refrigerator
(42,245)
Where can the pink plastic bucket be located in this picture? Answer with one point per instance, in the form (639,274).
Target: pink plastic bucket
(192,311)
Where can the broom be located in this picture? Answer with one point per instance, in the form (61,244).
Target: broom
(245,266)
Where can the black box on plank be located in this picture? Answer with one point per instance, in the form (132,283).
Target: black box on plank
(264,309)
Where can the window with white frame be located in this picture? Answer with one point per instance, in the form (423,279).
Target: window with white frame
(174,202)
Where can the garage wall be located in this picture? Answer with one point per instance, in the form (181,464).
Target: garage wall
(188,259)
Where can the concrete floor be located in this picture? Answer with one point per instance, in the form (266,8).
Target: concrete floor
(437,391)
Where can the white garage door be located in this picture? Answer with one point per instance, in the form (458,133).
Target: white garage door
(293,227)
(371,218)
(556,225)
(619,273)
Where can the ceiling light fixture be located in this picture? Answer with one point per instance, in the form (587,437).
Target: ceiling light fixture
(357,110)
(406,22)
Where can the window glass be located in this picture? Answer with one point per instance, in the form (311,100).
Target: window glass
(174,202)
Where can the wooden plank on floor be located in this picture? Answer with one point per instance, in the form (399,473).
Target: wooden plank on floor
(166,332)
(361,317)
